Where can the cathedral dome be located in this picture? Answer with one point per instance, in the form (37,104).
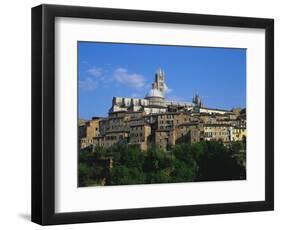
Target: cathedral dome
(154,93)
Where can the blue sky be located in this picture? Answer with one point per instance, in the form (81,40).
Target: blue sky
(110,69)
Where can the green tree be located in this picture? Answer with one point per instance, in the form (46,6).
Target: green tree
(122,175)
(202,161)
(218,163)
(184,171)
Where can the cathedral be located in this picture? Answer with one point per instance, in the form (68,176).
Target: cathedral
(153,120)
(154,101)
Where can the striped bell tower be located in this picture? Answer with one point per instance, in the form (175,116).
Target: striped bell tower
(159,80)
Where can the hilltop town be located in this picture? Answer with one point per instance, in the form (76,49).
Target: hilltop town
(155,121)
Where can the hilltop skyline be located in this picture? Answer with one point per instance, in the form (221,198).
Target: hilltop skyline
(106,70)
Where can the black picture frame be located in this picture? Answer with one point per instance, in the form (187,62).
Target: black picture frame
(43,114)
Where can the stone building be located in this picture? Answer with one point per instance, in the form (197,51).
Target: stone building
(87,131)
(153,120)
(165,138)
(140,135)
(218,132)
(238,133)
(189,132)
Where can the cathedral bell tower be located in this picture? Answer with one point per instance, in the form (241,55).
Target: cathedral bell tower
(159,81)
(197,100)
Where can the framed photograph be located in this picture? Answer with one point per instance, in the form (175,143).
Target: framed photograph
(142,114)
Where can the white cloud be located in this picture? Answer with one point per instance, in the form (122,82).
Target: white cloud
(132,80)
(167,89)
(88,84)
(95,71)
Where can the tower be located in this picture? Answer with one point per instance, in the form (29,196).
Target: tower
(159,80)
(197,100)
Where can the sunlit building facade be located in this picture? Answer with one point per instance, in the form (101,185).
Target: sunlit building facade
(155,121)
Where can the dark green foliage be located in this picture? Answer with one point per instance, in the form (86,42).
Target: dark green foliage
(122,175)
(90,175)
(220,162)
(158,166)
(123,164)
